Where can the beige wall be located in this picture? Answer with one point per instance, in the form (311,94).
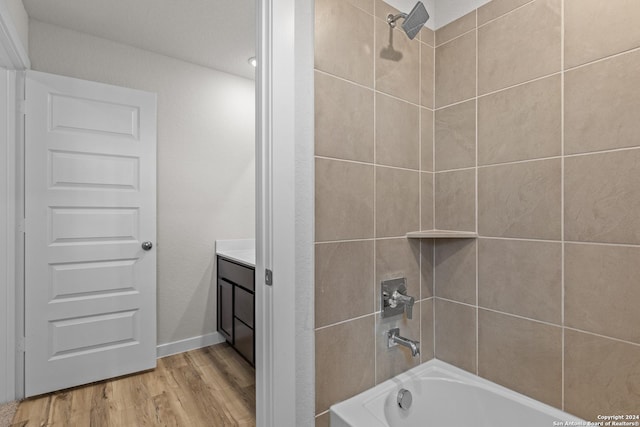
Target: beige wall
(374,183)
(205,161)
(546,301)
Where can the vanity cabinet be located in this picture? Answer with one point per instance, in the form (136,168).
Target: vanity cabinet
(236,306)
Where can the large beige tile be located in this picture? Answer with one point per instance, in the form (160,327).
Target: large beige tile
(397,61)
(594,29)
(396,258)
(426,140)
(601,105)
(497,8)
(344,41)
(322,420)
(522,355)
(427,70)
(456,334)
(602,197)
(455,200)
(426,201)
(345,362)
(395,360)
(366,5)
(343,119)
(520,200)
(601,376)
(520,123)
(426,330)
(519,46)
(521,277)
(601,290)
(456,70)
(455,270)
(397,133)
(344,200)
(455,137)
(343,281)
(426,266)
(456,28)
(397,202)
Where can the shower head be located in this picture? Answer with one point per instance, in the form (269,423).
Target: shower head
(413,22)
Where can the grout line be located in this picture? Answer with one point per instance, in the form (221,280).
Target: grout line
(468,168)
(516,162)
(562,197)
(559,241)
(500,312)
(602,336)
(342,322)
(453,104)
(375,207)
(366,163)
(456,37)
(605,58)
(420,195)
(506,88)
(326,242)
(607,151)
(433,199)
(476,208)
(516,85)
(372,89)
(507,13)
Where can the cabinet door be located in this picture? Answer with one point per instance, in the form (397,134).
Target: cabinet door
(225,309)
(244,340)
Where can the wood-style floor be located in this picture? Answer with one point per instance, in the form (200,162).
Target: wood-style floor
(212,386)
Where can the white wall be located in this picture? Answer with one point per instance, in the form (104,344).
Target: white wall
(449,10)
(206,161)
(20,20)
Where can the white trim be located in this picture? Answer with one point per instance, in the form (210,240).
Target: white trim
(189,344)
(285,386)
(12,53)
(7,236)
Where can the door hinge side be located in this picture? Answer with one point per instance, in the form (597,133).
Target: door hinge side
(22,225)
(268,277)
(22,106)
(22,344)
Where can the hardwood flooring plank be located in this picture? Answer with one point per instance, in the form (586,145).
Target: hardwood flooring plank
(212,386)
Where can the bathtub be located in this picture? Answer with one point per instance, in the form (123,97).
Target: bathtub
(446,396)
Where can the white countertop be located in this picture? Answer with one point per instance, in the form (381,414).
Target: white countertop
(239,250)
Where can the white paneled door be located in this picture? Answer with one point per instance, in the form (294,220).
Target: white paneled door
(90,207)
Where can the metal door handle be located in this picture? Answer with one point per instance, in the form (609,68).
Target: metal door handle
(147,246)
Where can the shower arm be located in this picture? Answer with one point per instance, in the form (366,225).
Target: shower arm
(391,18)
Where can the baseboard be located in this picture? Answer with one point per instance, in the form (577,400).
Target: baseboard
(168,349)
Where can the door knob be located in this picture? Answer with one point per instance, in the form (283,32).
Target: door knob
(147,246)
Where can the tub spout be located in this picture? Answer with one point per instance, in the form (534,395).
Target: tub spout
(395,339)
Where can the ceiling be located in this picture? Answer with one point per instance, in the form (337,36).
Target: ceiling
(218,34)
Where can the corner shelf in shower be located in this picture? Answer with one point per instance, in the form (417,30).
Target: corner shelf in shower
(442,234)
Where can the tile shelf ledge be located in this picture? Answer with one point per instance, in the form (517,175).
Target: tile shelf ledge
(442,234)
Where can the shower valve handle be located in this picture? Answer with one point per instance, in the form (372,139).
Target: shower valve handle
(406,300)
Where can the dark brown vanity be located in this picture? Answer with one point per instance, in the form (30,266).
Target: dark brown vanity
(236,305)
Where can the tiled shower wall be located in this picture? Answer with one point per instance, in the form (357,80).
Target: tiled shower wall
(537,129)
(374,183)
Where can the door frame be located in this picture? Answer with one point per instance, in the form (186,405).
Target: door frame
(13,56)
(285,374)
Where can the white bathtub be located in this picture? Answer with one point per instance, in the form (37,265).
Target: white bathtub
(445,396)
